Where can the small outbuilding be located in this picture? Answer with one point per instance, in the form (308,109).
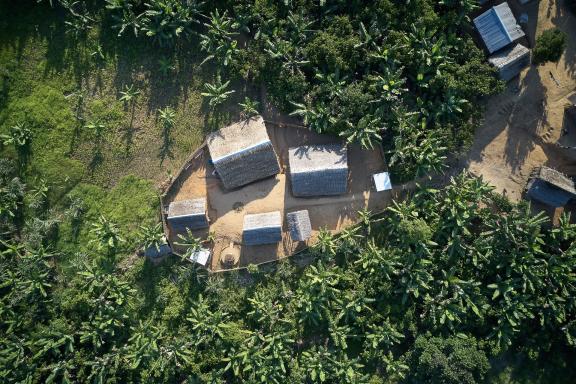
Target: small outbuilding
(187,214)
(318,170)
(498,27)
(510,61)
(243,153)
(262,228)
(550,187)
(299,225)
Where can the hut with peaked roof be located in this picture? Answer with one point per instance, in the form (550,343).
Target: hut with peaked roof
(498,27)
(243,153)
(299,225)
(550,187)
(187,214)
(318,170)
(510,61)
(262,228)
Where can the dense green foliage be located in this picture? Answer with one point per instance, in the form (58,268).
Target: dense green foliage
(452,285)
(429,292)
(406,74)
(550,46)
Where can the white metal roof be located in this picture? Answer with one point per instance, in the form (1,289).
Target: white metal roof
(382,181)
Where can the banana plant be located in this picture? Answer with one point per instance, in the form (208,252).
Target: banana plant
(217,93)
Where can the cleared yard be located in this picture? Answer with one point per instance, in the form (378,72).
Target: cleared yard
(227,209)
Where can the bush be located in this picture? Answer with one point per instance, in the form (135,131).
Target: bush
(549,46)
(451,360)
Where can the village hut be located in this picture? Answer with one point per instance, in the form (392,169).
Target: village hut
(498,27)
(157,252)
(243,153)
(510,61)
(299,225)
(550,187)
(187,214)
(318,170)
(262,228)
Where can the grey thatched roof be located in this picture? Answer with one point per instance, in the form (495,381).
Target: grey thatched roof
(318,170)
(511,61)
(187,214)
(550,187)
(262,228)
(299,225)
(243,153)
(498,27)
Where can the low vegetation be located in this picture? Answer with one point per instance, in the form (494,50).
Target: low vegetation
(550,46)
(451,286)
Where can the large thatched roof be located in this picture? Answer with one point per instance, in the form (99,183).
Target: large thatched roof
(318,170)
(299,225)
(550,187)
(243,153)
(262,228)
(187,214)
(511,61)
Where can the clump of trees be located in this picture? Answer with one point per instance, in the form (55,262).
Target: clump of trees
(450,286)
(550,46)
(406,75)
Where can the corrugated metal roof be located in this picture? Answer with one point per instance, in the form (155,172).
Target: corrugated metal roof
(498,27)
(510,61)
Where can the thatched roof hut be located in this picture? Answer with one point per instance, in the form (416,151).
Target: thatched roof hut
(187,214)
(498,27)
(262,228)
(550,187)
(318,170)
(243,153)
(510,61)
(299,225)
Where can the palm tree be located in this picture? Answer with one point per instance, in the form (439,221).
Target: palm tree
(366,132)
(152,236)
(249,108)
(219,41)
(167,117)
(217,93)
(106,235)
(97,127)
(20,137)
(317,118)
(129,94)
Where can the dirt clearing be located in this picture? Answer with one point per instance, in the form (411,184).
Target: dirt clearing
(523,124)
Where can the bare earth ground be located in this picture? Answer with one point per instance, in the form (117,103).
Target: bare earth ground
(523,124)
(227,208)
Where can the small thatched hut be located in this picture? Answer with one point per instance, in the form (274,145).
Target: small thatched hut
(299,225)
(318,170)
(510,61)
(187,214)
(243,153)
(550,187)
(262,228)
(498,27)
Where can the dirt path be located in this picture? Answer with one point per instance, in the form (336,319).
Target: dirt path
(523,124)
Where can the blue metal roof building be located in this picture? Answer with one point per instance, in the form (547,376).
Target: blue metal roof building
(498,27)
